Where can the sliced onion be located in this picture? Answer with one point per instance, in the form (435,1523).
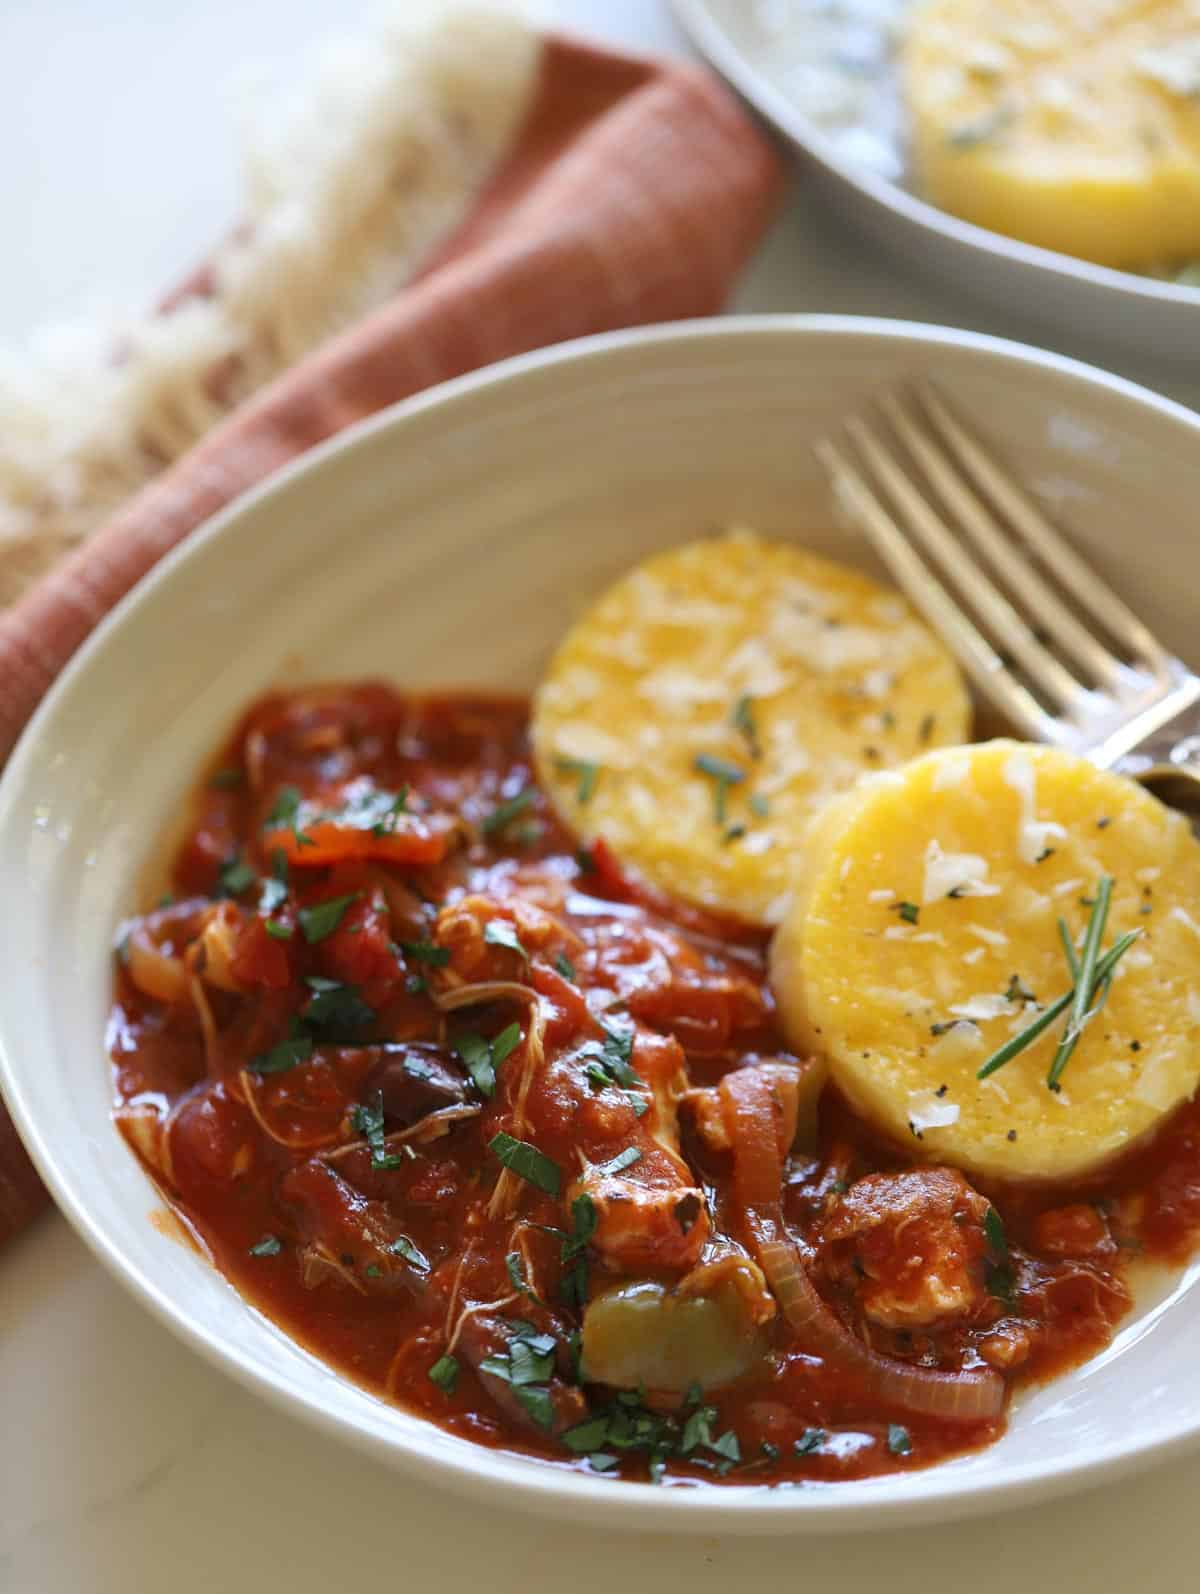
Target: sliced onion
(753,1110)
(484,991)
(155,972)
(971,1396)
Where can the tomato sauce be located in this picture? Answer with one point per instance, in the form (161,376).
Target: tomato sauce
(426,1081)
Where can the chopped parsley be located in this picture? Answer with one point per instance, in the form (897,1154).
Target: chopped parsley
(587,772)
(297,1048)
(335,1009)
(527,1162)
(323,920)
(434,957)
(498,821)
(623,1159)
(444,1373)
(498,932)
(236,876)
(481,1057)
(367,1120)
(998,1272)
(810,1441)
(899,1441)
(908,911)
(564,966)
(574,1286)
(759,806)
(269,1245)
(284,809)
(411,1253)
(385,825)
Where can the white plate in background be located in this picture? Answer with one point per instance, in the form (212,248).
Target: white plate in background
(1143,316)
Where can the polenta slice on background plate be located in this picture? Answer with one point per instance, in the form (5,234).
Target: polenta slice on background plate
(714,699)
(924,939)
(1073,124)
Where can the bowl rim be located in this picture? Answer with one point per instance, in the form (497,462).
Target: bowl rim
(496,1475)
(697,19)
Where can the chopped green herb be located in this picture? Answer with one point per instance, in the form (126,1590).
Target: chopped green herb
(386,824)
(898,1440)
(587,1436)
(277,930)
(444,1373)
(810,1441)
(279,865)
(284,809)
(504,813)
(498,932)
(435,957)
(564,966)
(908,911)
(323,920)
(269,1245)
(412,1254)
(515,1266)
(236,876)
(226,779)
(587,772)
(599,1461)
(286,1054)
(537,1404)
(723,775)
(742,719)
(623,1159)
(335,1009)
(727,1445)
(734,833)
(415,984)
(527,1162)
(366,1119)
(697,1430)
(759,806)
(482,1057)
(372,1271)
(997,1239)
(770,1451)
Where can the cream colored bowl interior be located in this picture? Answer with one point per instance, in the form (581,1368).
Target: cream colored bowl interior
(450,542)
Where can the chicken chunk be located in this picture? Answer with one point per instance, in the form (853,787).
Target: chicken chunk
(493,938)
(911,1246)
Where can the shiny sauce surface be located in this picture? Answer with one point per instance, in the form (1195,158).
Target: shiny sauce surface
(385,963)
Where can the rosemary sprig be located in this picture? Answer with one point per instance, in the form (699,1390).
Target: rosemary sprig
(1084,981)
(1064,935)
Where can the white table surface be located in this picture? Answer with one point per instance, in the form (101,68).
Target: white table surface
(126,1463)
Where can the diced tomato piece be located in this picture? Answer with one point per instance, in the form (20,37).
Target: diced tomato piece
(259,959)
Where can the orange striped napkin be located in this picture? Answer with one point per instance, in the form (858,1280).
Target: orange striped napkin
(634,194)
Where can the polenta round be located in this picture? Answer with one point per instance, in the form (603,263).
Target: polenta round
(924,936)
(712,701)
(1072,124)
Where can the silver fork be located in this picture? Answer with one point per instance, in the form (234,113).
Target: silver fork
(1041,635)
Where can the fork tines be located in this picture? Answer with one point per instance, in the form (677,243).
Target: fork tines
(979,558)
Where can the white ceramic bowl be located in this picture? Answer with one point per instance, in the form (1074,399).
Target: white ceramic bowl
(450,541)
(1139,315)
